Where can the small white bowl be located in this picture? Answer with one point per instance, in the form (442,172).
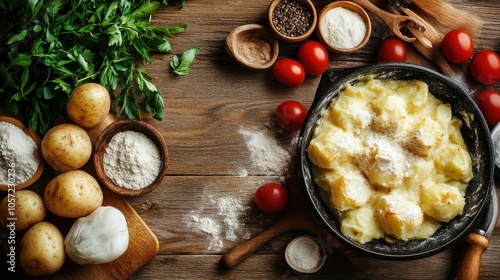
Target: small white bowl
(290,259)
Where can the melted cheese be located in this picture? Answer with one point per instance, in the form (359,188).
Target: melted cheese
(391,160)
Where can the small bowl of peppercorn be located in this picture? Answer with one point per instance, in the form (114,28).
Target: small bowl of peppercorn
(292,20)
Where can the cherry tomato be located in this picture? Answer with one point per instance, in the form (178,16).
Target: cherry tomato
(271,198)
(485,67)
(457,46)
(290,115)
(289,72)
(314,57)
(392,49)
(488,100)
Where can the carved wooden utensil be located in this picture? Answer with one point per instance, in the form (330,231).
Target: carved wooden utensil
(299,217)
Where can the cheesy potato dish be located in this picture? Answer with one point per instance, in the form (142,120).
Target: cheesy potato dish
(390,161)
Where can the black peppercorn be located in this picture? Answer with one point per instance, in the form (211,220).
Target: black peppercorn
(291,18)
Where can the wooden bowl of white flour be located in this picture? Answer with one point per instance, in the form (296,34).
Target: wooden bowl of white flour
(20,157)
(131,157)
(343,27)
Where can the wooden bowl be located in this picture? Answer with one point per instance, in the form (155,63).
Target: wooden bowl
(252,46)
(102,143)
(350,6)
(309,6)
(38,143)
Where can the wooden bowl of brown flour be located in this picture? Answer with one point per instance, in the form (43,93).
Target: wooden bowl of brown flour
(130,157)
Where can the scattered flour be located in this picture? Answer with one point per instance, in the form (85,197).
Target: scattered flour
(230,210)
(266,153)
(242,172)
(210,227)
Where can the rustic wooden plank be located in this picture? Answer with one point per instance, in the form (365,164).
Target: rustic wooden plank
(273,266)
(168,211)
(233,97)
(209,159)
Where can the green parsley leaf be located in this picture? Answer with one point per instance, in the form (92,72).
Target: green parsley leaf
(181,67)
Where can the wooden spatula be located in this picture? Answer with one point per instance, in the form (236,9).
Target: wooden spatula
(298,217)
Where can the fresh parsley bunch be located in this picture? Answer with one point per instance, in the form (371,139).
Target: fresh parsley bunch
(48,48)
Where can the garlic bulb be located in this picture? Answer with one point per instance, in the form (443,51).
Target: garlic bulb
(100,237)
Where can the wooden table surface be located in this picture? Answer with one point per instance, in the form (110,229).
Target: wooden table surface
(209,115)
(206,116)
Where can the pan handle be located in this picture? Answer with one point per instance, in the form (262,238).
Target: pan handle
(469,263)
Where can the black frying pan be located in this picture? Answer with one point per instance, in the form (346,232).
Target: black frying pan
(474,130)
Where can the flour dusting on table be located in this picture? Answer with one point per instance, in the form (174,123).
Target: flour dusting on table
(266,153)
(230,211)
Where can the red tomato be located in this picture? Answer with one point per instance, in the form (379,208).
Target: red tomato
(488,100)
(392,49)
(289,72)
(457,46)
(271,198)
(314,57)
(485,67)
(290,115)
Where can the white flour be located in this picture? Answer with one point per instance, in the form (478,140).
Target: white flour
(16,147)
(210,227)
(266,154)
(229,212)
(343,28)
(132,160)
(304,253)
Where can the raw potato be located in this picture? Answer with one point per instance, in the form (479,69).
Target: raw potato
(42,250)
(27,207)
(89,105)
(73,194)
(66,147)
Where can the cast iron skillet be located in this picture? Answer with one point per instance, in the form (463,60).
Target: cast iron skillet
(474,130)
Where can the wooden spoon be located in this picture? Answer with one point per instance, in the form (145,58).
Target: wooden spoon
(299,217)
(428,44)
(395,22)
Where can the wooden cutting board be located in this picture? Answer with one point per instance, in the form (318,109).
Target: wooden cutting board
(143,244)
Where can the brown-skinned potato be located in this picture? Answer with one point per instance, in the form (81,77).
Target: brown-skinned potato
(89,104)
